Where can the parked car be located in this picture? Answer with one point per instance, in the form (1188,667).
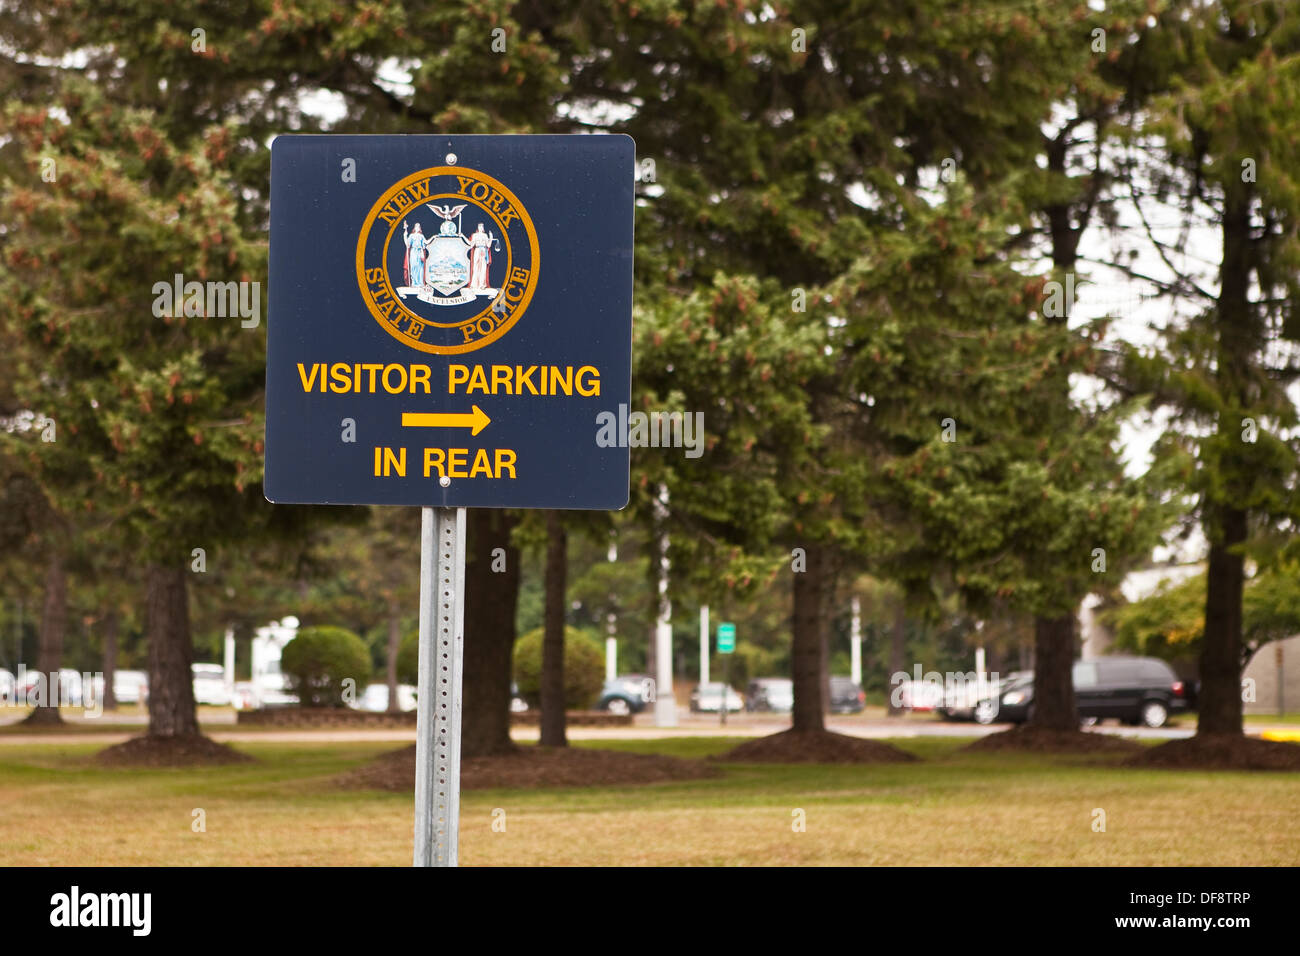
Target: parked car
(67,690)
(707,698)
(1009,700)
(210,685)
(130,687)
(847,696)
(918,695)
(628,694)
(961,700)
(1135,690)
(270,689)
(375,698)
(28,679)
(770,694)
(517,704)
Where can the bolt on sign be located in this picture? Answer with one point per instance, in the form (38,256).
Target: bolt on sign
(447,317)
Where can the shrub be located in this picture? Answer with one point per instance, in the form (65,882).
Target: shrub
(584,668)
(318,660)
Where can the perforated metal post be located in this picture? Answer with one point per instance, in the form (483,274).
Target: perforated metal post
(442,635)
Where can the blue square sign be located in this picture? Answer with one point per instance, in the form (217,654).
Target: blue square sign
(448,318)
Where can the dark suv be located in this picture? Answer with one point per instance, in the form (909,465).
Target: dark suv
(1136,690)
(846,696)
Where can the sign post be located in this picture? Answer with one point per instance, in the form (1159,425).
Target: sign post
(726,647)
(437,728)
(449,327)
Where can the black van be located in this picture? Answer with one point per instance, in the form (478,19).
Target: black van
(1136,690)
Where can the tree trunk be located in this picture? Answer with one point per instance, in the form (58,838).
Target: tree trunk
(824,667)
(167,629)
(1053,705)
(652,648)
(112,622)
(491,598)
(806,644)
(394,645)
(1220,664)
(553,723)
(54,621)
(1225,525)
(654,548)
(896,650)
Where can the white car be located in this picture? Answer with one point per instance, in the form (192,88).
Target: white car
(270,691)
(29,679)
(919,695)
(375,698)
(130,687)
(960,699)
(68,686)
(707,698)
(210,685)
(245,697)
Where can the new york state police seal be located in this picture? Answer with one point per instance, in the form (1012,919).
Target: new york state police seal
(447,260)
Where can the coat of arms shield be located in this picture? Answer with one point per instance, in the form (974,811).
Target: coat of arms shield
(448,268)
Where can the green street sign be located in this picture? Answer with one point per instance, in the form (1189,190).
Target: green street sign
(726,638)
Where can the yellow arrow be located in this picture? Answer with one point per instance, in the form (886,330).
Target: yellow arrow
(476,420)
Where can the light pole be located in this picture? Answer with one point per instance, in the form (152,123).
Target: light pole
(704,645)
(611,621)
(665,702)
(855,642)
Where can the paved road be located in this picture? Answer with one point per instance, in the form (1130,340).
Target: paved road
(689,725)
(219,723)
(914,725)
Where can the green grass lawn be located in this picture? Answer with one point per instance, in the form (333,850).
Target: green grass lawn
(58,808)
(1271,719)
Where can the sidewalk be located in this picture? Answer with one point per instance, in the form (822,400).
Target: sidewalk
(221,727)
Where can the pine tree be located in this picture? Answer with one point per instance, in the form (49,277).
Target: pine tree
(160,149)
(1222,128)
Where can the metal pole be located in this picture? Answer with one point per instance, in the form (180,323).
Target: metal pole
(855,641)
(665,702)
(704,644)
(228,661)
(726,685)
(611,621)
(437,729)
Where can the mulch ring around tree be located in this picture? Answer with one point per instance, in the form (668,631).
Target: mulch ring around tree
(815,746)
(533,766)
(150,751)
(1220,752)
(1027,738)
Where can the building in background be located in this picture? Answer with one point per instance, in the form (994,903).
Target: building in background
(267,686)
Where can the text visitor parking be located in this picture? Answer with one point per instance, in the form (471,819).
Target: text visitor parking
(395,378)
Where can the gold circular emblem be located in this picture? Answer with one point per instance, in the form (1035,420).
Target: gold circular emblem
(447,260)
